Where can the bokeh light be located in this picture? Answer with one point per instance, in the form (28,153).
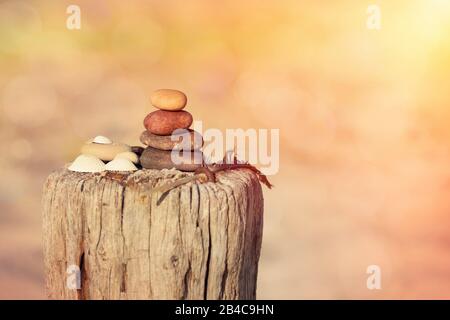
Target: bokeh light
(363,118)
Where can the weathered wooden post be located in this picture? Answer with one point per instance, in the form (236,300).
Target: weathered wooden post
(197,241)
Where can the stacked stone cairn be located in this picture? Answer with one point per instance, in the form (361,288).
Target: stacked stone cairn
(170,141)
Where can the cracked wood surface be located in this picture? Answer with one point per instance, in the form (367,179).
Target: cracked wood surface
(199,241)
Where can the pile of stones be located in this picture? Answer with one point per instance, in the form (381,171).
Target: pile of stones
(102,154)
(170,143)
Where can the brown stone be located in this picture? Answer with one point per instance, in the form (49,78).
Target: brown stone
(165,122)
(168,99)
(190,140)
(153,158)
(137,149)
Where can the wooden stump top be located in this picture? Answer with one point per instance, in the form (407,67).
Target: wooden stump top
(198,241)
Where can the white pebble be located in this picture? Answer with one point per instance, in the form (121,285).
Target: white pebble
(120,164)
(101,140)
(128,155)
(87,163)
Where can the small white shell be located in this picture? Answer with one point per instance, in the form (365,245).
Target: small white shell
(120,164)
(102,140)
(87,163)
(128,155)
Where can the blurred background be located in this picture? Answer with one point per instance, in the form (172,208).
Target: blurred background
(363,115)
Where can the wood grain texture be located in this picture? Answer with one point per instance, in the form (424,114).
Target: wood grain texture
(199,241)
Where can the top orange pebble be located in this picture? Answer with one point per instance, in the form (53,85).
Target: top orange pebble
(168,99)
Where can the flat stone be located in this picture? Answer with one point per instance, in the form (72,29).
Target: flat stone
(189,140)
(168,99)
(153,158)
(105,152)
(165,122)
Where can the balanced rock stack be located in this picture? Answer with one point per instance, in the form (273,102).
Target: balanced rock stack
(167,130)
